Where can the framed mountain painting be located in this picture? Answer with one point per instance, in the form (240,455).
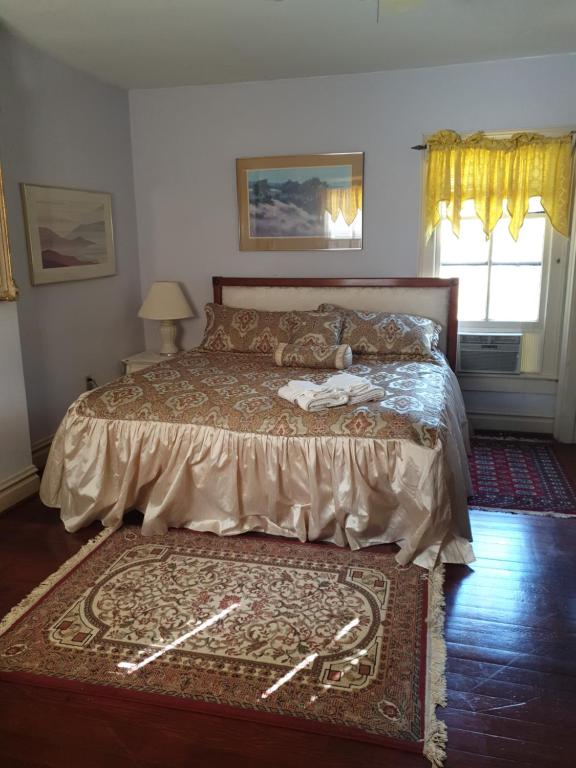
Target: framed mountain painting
(300,202)
(69,233)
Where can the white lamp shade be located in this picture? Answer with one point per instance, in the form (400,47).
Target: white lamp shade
(165,301)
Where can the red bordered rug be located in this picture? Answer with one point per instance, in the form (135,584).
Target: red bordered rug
(306,636)
(520,474)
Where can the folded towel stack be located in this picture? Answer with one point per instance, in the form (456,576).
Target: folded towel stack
(358,389)
(312,397)
(341,389)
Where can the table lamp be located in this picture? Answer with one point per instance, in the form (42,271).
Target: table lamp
(166,302)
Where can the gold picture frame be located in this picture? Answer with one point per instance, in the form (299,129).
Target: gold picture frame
(300,202)
(69,233)
(8,290)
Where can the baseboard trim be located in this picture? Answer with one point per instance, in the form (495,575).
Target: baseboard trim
(512,422)
(40,451)
(18,487)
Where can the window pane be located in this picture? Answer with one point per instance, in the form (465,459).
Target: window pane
(535,205)
(471,247)
(528,247)
(468,209)
(472,290)
(515,293)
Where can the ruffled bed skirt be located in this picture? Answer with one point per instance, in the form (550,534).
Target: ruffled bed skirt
(349,491)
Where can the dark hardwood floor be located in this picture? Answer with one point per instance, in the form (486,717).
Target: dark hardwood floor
(511,635)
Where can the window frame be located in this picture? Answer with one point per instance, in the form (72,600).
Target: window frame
(547,331)
(506,326)
(558,249)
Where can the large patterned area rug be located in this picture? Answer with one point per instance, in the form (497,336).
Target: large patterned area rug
(520,475)
(307,636)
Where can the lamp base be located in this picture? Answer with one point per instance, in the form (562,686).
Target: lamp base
(168,335)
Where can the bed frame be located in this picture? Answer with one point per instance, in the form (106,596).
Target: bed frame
(430,296)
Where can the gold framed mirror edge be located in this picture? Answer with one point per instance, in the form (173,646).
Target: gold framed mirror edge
(8,289)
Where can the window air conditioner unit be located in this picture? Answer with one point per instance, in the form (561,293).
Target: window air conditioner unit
(489,353)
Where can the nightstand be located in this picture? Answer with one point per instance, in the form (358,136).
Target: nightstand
(141,360)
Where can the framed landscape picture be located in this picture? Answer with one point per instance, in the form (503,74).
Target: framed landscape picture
(300,202)
(69,233)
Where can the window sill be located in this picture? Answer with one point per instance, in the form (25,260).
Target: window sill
(518,382)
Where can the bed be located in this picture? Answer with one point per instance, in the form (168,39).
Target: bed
(202,440)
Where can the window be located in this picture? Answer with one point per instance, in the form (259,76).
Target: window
(506,285)
(501,279)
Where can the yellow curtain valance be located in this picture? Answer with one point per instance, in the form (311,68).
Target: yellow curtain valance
(496,172)
(345,200)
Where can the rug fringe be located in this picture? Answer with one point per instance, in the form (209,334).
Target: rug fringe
(435,730)
(514,438)
(565,515)
(27,602)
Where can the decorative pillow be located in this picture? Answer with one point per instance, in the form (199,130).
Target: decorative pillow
(313,356)
(387,333)
(318,328)
(230,329)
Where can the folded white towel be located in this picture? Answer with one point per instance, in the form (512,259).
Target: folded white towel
(374,393)
(349,383)
(300,385)
(312,397)
(359,389)
(312,402)
(340,389)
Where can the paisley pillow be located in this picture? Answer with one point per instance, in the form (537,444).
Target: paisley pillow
(387,333)
(319,328)
(231,329)
(313,356)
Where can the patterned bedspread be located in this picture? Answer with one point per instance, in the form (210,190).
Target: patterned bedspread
(238,392)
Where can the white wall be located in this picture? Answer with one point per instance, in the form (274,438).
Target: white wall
(17,476)
(186,140)
(63,128)
(15,443)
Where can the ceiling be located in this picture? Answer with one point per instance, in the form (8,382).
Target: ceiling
(153,43)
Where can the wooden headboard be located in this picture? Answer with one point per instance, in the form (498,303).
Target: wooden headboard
(432,297)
